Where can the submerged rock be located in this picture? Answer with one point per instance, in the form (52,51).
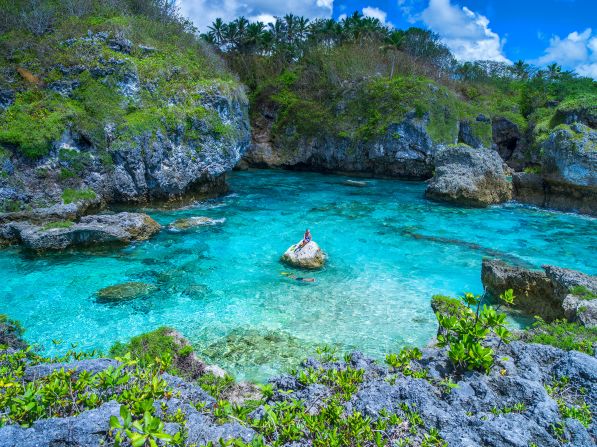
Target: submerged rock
(191,222)
(309,256)
(125,291)
(356,183)
(467,176)
(89,231)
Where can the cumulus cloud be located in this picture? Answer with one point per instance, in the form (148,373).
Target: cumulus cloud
(376,13)
(577,51)
(464,31)
(204,12)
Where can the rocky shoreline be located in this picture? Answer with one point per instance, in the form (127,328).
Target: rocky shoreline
(419,398)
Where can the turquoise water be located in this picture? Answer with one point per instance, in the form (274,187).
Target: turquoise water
(389,251)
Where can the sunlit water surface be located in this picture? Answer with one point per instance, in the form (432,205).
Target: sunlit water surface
(389,251)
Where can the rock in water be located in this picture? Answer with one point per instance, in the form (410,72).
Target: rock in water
(356,183)
(468,176)
(89,231)
(124,291)
(191,222)
(308,257)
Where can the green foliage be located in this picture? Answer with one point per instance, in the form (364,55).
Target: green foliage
(562,334)
(70,195)
(67,392)
(583,293)
(571,401)
(146,348)
(465,332)
(402,362)
(34,121)
(177,69)
(58,224)
(147,431)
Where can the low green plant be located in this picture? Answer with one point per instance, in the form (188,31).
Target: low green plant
(571,401)
(583,293)
(144,432)
(562,334)
(70,195)
(465,333)
(402,362)
(58,224)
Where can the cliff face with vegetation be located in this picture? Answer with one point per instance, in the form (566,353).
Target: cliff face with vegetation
(117,101)
(355,96)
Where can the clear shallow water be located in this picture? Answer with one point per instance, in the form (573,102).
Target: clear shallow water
(389,251)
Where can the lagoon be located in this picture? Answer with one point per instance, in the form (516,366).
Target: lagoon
(223,287)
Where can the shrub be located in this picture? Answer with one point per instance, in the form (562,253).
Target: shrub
(465,332)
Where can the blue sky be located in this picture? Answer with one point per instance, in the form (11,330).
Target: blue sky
(538,31)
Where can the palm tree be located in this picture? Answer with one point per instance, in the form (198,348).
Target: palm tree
(216,30)
(521,69)
(553,71)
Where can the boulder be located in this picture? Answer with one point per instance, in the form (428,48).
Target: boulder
(467,176)
(89,231)
(191,222)
(570,155)
(310,256)
(568,180)
(124,292)
(551,293)
(534,291)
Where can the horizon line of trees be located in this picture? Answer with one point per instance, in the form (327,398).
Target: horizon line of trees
(291,36)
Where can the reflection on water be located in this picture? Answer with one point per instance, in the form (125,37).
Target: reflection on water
(389,251)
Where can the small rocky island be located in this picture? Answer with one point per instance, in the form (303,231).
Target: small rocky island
(309,256)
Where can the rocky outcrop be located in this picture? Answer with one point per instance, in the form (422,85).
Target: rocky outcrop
(467,176)
(568,180)
(94,230)
(405,150)
(91,427)
(177,142)
(310,256)
(550,293)
(478,409)
(507,141)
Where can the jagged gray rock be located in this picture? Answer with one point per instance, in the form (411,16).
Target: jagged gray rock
(88,231)
(551,293)
(468,176)
(568,180)
(405,150)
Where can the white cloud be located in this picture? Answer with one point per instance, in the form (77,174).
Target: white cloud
(376,13)
(204,12)
(342,17)
(577,51)
(465,32)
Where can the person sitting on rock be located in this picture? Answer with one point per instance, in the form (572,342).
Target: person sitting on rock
(305,241)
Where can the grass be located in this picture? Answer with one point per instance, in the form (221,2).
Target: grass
(563,335)
(70,195)
(583,293)
(58,224)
